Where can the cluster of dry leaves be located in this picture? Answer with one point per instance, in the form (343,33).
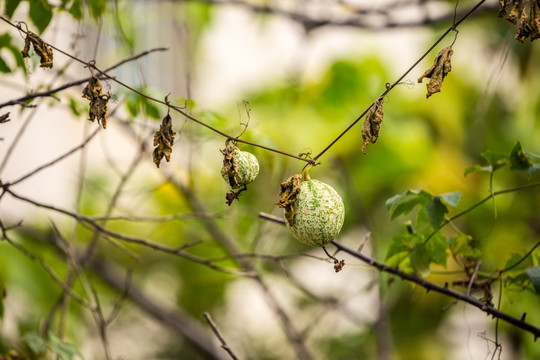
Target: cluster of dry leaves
(40,47)
(525,14)
(290,189)
(163,141)
(98,101)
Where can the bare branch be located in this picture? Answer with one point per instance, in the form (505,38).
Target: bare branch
(220,337)
(519,323)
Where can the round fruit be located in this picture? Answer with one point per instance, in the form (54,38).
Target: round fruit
(318,213)
(239,169)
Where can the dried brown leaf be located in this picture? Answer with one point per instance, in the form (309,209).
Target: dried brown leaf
(503,10)
(526,25)
(163,140)
(98,101)
(230,165)
(438,71)
(535,20)
(290,189)
(372,124)
(40,47)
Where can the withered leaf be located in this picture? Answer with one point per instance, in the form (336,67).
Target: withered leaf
(98,101)
(290,189)
(40,47)
(526,25)
(372,124)
(438,71)
(534,22)
(502,11)
(163,140)
(230,165)
(4,118)
(231,196)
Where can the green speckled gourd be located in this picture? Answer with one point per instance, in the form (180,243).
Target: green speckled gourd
(239,167)
(317,213)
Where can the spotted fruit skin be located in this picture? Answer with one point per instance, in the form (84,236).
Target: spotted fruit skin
(318,214)
(248,168)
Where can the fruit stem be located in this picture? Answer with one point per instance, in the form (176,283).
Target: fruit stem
(305,173)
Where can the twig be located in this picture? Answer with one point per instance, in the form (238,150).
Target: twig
(44,265)
(496,313)
(54,161)
(273,218)
(220,337)
(175,319)
(473,276)
(20,101)
(89,223)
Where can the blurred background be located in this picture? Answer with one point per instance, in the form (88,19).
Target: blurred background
(162,245)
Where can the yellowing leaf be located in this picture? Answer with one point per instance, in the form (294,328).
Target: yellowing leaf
(163,140)
(40,47)
(438,71)
(372,124)
(98,101)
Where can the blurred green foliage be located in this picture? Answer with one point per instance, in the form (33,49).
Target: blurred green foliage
(470,128)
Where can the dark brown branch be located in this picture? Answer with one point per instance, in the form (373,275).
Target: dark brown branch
(519,323)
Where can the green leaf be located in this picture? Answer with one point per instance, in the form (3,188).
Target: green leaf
(516,258)
(534,275)
(6,42)
(61,348)
(35,342)
(76,10)
(420,260)
(4,66)
(495,160)
(76,107)
(11,6)
(2,296)
(477,168)
(400,247)
(464,245)
(40,14)
(438,245)
(132,105)
(404,203)
(150,109)
(97,7)
(435,211)
(451,199)
(519,160)
(533,170)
